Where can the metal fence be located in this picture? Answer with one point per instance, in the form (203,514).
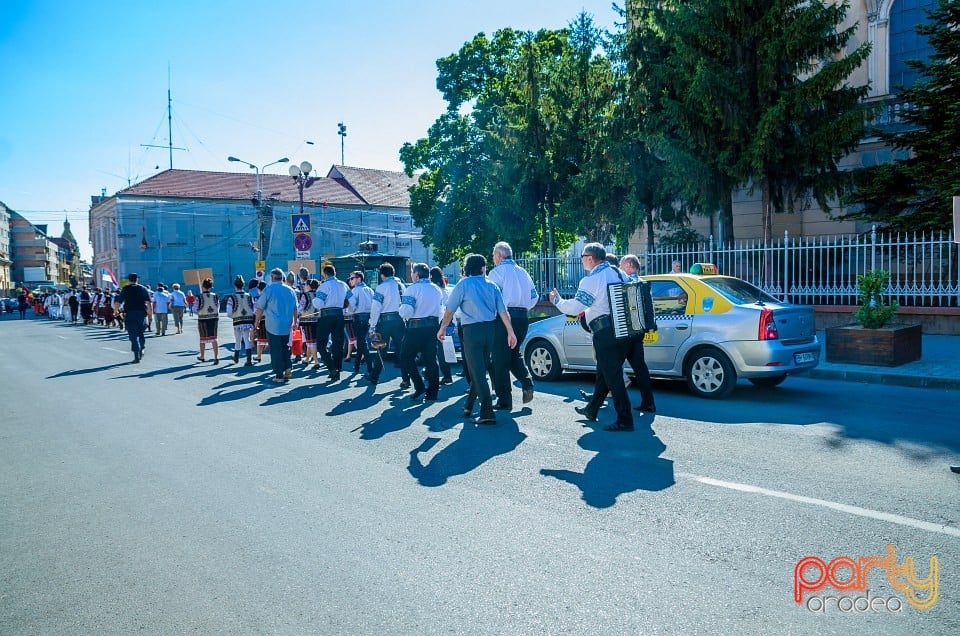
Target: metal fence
(924,268)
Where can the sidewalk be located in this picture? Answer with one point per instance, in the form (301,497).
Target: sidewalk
(939,367)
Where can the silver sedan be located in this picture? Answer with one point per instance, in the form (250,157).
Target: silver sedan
(711,330)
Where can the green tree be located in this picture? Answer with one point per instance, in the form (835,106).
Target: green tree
(915,193)
(756,92)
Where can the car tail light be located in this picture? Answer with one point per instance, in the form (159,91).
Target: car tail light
(768,326)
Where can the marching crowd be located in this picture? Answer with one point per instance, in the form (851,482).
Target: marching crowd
(325,321)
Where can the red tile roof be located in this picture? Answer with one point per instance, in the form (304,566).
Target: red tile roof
(196,184)
(376,187)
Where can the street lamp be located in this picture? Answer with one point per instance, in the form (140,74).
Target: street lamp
(301,176)
(258,200)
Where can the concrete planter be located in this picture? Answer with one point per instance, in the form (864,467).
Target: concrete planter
(887,347)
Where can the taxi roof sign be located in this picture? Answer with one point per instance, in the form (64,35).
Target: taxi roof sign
(703,268)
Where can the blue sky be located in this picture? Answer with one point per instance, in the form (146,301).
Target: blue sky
(85,86)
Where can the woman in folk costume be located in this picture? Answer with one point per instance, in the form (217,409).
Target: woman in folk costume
(208,318)
(308,320)
(260,332)
(240,309)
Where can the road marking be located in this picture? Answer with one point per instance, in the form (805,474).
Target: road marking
(853,510)
(112,349)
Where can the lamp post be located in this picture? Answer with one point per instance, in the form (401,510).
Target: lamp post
(258,199)
(301,176)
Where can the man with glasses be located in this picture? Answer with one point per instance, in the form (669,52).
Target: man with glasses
(592,299)
(360,299)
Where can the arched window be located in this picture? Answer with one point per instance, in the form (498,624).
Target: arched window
(905,42)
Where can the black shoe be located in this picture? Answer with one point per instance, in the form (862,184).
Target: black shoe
(370,379)
(502,407)
(587,414)
(446,380)
(955,469)
(417,394)
(527,396)
(618,428)
(405,384)
(216,360)
(646,409)
(335,376)
(431,397)
(486,419)
(236,357)
(248,363)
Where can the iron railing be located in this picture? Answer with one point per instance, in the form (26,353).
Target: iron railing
(924,267)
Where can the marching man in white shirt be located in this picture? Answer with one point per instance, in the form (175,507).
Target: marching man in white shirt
(592,299)
(520,296)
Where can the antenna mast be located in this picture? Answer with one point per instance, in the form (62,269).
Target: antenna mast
(170,147)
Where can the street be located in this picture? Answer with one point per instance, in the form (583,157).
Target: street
(173,496)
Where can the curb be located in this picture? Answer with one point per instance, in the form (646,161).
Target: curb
(875,377)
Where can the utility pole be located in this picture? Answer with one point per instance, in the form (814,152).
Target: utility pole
(342,131)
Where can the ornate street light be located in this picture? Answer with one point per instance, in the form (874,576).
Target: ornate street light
(301,176)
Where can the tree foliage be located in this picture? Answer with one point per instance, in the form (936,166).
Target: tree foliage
(753,92)
(915,193)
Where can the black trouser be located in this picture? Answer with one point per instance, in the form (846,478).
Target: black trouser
(331,327)
(421,340)
(642,374)
(361,325)
(279,353)
(507,360)
(390,328)
(136,323)
(611,354)
(477,347)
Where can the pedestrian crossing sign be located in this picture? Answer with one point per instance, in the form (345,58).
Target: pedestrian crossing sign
(300,223)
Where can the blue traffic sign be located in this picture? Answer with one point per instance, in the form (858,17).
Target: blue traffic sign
(300,223)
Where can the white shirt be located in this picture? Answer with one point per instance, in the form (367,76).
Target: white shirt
(423,299)
(386,299)
(360,299)
(515,284)
(331,294)
(592,298)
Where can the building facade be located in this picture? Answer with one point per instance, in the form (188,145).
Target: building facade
(889,27)
(168,226)
(32,251)
(6,257)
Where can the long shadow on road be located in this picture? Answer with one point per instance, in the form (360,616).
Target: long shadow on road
(624,462)
(72,372)
(885,414)
(476,445)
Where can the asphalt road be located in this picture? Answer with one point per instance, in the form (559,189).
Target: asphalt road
(173,497)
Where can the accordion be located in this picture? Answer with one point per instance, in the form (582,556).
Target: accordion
(631,308)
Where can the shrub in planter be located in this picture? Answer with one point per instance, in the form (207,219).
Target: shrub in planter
(874,312)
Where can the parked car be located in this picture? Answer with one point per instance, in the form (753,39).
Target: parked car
(8,305)
(711,330)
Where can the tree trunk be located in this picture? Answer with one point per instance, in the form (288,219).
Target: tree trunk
(767,231)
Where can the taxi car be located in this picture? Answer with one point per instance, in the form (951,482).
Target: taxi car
(711,330)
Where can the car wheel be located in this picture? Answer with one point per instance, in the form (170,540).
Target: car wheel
(710,374)
(543,361)
(768,382)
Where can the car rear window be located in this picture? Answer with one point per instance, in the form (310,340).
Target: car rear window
(739,291)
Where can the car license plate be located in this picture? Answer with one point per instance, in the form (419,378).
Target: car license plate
(804,358)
